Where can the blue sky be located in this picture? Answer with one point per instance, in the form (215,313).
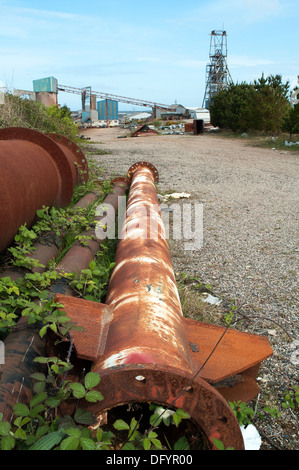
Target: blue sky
(155,50)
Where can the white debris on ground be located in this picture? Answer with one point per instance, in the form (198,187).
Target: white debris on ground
(251,437)
(211,299)
(166,197)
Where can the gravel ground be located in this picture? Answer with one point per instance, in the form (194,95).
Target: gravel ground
(250,242)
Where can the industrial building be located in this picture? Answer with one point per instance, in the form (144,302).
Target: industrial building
(46,90)
(199,113)
(107,113)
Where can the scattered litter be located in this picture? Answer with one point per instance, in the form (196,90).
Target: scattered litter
(210,299)
(295,354)
(251,437)
(289,144)
(262,379)
(176,196)
(144,130)
(272,332)
(160,411)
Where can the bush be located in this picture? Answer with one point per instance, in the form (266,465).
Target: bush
(261,106)
(291,123)
(18,112)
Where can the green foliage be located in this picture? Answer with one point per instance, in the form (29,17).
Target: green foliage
(261,106)
(229,316)
(291,399)
(18,112)
(168,417)
(243,413)
(291,123)
(92,283)
(37,425)
(219,445)
(157,122)
(29,296)
(149,440)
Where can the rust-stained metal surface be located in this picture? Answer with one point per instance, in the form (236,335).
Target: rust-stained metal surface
(140,343)
(24,343)
(79,256)
(47,247)
(196,126)
(75,156)
(36,171)
(21,347)
(142,287)
(189,127)
(144,130)
(89,198)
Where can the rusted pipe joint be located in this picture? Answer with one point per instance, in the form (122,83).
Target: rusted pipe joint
(141,164)
(36,170)
(139,341)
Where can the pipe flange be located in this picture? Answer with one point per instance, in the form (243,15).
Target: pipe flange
(78,156)
(167,386)
(136,165)
(120,181)
(55,152)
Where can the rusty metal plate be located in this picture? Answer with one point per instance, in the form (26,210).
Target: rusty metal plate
(94,318)
(236,352)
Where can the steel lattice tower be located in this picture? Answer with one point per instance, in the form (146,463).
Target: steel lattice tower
(217,73)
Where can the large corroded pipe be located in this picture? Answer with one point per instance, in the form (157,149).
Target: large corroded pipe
(79,255)
(24,343)
(36,170)
(142,346)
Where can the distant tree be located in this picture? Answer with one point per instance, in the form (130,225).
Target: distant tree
(231,108)
(291,123)
(262,105)
(272,103)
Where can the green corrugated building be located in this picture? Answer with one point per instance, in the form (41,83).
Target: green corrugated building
(48,84)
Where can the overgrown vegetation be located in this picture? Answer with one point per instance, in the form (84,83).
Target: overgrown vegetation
(37,424)
(18,112)
(262,106)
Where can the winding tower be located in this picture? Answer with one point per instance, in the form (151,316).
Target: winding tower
(217,72)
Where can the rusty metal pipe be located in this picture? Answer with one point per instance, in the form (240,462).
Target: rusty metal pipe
(140,343)
(46,248)
(36,170)
(24,343)
(79,256)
